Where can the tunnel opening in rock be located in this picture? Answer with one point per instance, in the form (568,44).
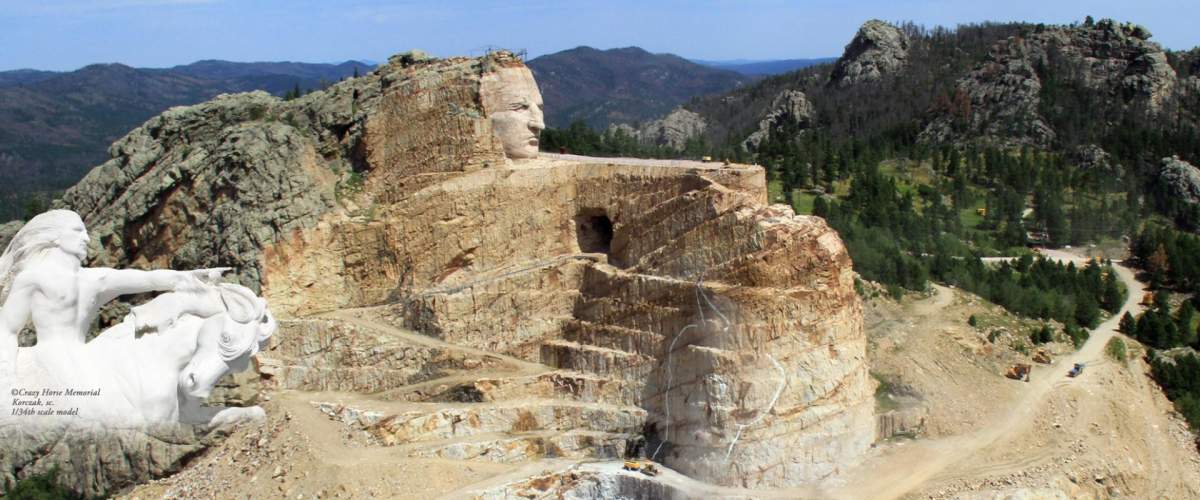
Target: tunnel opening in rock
(594,231)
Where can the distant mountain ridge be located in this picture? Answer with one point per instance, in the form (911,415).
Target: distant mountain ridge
(19,76)
(765,67)
(624,85)
(55,126)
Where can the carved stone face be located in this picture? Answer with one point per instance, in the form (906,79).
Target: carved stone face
(511,99)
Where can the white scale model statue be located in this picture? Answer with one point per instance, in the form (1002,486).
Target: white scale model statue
(157,366)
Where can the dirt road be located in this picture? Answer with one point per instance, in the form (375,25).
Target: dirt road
(920,461)
(906,468)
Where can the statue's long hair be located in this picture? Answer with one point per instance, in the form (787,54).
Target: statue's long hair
(34,238)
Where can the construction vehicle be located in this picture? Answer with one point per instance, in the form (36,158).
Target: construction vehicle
(1075,370)
(1043,357)
(1019,371)
(645,467)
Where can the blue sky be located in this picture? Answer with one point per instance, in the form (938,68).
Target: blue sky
(67,34)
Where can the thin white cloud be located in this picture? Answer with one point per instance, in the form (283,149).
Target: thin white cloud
(76,7)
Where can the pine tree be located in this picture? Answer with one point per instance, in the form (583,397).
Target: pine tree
(1128,325)
(1185,318)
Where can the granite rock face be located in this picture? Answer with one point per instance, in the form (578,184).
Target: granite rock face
(789,107)
(1093,158)
(203,186)
(877,50)
(1182,178)
(97,462)
(1003,94)
(485,309)
(212,184)
(672,130)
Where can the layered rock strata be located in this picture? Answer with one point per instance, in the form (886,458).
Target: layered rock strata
(745,352)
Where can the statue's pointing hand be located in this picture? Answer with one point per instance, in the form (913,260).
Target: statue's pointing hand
(199,279)
(212,275)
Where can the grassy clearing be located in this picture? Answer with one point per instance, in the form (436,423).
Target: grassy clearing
(803,202)
(775,192)
(969,217)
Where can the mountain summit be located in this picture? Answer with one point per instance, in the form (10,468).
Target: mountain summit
(622,85)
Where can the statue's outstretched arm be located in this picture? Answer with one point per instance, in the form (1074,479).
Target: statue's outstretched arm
(14,313)
(114,283)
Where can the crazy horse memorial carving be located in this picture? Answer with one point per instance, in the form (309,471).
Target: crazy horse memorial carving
(415,248)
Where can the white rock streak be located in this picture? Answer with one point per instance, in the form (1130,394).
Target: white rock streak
(761,415)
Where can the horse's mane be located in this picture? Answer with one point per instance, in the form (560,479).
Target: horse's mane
(254,323)
(247,323)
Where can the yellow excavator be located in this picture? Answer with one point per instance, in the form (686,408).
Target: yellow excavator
(644,466)
(1019,371)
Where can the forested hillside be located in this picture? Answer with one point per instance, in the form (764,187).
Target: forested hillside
(886,145)
(623,85)
(54,127)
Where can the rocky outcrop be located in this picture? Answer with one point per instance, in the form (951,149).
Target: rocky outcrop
(1182,179)
(672,131)
(877,50)
(213,184)
(475,308)
(790,107)
(204,186)
(96,462)
(1094,159)
(1001,99)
